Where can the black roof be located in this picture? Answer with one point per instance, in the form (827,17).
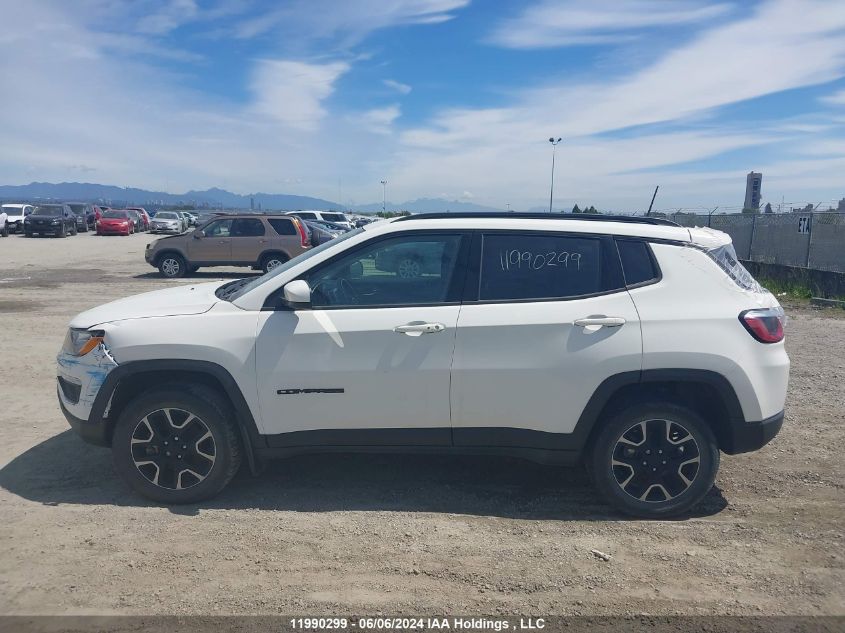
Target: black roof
(629,219)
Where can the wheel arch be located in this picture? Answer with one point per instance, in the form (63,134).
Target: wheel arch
(128,380)
(708,393)
(272,251)
(170,251)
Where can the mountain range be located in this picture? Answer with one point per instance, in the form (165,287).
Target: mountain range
(214,197)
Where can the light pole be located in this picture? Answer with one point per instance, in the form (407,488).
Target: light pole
(383,196)
(552,189)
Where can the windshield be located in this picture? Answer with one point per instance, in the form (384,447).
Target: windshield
(241,288)
(115,214)
(334,217)
(166,215)
(51,210)
(77,208)
(12,210)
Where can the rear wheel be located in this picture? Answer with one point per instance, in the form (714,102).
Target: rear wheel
(177,444)
(271,261)
(172,265)
(655,460)
(5,231)
(74,230)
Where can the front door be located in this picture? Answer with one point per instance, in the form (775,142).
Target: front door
(551,322)
(368,363)
(215,245)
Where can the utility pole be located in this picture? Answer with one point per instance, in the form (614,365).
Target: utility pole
(383,196)
(552,189)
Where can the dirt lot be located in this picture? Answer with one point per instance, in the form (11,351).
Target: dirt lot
(372,534)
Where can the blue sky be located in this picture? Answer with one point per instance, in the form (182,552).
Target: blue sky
(443,98)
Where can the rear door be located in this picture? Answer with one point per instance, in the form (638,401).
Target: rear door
(248,240)
(548,320)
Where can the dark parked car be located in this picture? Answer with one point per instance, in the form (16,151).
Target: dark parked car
(50,219)
(145,217)
(318,233)
(137,220)
(84,213)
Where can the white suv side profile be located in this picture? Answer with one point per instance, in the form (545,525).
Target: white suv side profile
(638,347)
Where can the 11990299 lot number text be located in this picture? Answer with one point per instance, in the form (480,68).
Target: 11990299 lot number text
(526,260)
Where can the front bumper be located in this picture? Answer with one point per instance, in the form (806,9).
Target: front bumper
(745,437)
(92,432)
(80,378)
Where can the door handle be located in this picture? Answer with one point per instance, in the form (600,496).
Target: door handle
(593,323)
(418,328)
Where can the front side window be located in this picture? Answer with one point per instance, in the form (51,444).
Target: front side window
(247,227)
(407,270)
(220,228)
(530,266)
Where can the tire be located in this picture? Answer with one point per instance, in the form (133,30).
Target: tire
(147,432)
(75,230)
(63,232)
(634,441)
(5,231)
(271,261)
(193,269)
(171,265)
(408,268)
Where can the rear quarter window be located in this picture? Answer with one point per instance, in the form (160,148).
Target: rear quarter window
(638,264)
(532,266)
(282,226)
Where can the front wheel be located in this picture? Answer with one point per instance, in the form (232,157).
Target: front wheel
(5,232)
(177,444)
(655,460)
(172,266)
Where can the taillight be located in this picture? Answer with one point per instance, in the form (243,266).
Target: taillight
(303,234)
(764,324)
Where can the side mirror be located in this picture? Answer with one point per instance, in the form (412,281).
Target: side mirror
(298,292)
(198,234)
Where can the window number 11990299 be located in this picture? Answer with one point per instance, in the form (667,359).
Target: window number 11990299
(514,259)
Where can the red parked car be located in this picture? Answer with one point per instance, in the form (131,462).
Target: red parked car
(115,222)
(145,217)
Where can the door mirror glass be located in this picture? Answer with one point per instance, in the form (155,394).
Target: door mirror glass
(298,292)
(356,270)
(198,234)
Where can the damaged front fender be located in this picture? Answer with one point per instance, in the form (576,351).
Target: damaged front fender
(81,377)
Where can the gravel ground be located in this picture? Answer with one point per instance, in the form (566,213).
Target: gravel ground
(394,534)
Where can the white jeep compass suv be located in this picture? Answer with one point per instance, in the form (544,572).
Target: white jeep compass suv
(638,347)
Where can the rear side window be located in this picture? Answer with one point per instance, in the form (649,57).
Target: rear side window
(247,227)
(638,265)
(531,266)
(307,216)
(282,226)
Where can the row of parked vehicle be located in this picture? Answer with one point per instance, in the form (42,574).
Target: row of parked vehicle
(70,218)
(258,240)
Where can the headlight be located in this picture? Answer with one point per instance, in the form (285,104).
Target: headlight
(57,221)
(80,342)
(27,220)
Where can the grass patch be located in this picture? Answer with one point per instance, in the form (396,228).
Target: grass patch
(793,290)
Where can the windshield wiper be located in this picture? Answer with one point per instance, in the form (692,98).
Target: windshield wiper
(227,290)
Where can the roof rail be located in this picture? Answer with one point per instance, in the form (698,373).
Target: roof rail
(628,219)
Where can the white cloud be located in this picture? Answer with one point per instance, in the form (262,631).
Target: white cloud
(837,98)
(346,22)
(398,86)
(173,14)
(293,92)
(552,23)
(379,120)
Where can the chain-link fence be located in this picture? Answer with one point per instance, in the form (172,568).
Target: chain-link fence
(807,240)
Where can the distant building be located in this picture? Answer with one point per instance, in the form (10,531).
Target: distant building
(841,207)
(753,186)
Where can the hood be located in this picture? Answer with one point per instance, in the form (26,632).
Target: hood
(192,299)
